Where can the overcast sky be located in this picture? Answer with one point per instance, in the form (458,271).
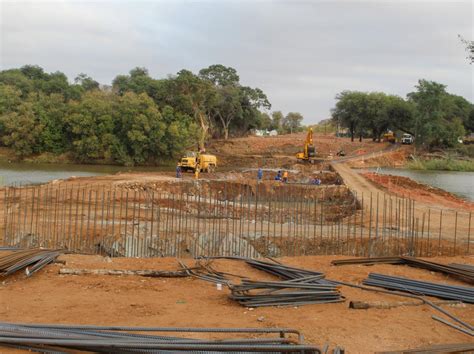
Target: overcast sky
(301,53)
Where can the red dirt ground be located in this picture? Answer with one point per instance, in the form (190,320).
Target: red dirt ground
(406,187)
(48,297)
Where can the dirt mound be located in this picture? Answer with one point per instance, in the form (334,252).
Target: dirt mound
(396,158)
(406,187)
(272,151)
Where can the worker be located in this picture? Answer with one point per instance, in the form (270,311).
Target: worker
(285,176)
(259,174)
(196,173)
(278,176)
(178,172)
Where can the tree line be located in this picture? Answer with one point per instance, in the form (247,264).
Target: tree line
(138,120)
(433,116)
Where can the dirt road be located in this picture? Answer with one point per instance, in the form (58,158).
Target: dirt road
(455,221)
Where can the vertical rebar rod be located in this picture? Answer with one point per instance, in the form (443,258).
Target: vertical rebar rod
(469,233)
(439,234)
(124,239)
(455,232)
(428,233)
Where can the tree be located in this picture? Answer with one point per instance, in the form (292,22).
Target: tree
(266,121)
(277,120)
(228,106)
(10,98)
(196,96)
(292,121)
(431,120)
(181,131)
(220,75)
(469,48)
(350,112)
(140,129)
(21,130)
(86,82)
(90,127)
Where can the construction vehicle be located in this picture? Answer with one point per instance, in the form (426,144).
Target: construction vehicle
(389,137)
(407,139)
(309,152)
(192,161)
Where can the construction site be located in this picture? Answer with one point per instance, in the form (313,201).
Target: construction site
(331,258)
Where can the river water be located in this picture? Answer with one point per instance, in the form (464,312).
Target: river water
(20,173)
(459,183)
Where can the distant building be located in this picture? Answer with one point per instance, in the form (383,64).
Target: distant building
(265,132)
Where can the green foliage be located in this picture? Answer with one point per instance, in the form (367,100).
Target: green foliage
(469,48)
(21,130)
(442,164)
(277,121)
(142,120)
(292,122)
(433,116)
(90,128)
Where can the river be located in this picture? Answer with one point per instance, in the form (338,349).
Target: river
(20,173)
(459,183)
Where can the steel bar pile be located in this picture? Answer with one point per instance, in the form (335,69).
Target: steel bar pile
(294,292)
(450,292)
(286,272)
(117,339)
(298,287)
(205,272)
(31,260)
(460,271)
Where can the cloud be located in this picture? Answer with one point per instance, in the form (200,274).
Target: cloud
(301,53)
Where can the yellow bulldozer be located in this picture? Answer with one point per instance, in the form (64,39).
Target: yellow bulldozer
(389,137)
(192,161)
(309,151)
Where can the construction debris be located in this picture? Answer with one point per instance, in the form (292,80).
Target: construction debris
(364,305)
(31,260)
(107,339)
(443,291)
(143,273)
(460,271)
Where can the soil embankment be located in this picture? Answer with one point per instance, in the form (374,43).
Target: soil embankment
(408,188)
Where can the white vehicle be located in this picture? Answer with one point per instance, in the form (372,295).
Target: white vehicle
(407,139)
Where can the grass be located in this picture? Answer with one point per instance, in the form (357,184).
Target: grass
(442,165)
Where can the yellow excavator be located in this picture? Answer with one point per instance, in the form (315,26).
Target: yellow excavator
(309,152)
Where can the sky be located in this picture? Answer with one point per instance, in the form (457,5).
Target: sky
(300,53)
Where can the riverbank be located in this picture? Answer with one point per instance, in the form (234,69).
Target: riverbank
(446,164)
(408,188)
(8,156)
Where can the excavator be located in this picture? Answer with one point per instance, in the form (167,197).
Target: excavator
(309,152)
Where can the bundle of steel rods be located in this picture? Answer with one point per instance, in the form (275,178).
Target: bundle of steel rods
(443,291)
(117,339)
(460,271)
(300,291)
(31,260)
(298,286)
(286,272)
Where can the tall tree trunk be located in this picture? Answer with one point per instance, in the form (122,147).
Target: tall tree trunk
(204,130)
